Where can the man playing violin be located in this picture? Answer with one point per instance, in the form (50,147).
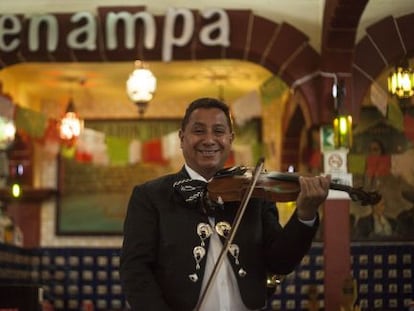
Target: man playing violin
(173,234)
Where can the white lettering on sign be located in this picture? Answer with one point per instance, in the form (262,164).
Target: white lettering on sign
(88,31)
(129,21)
(221,26)
(187,31)
(83,31)
(9,25)
(51,23)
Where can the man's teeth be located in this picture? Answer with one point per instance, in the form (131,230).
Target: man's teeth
(206,152)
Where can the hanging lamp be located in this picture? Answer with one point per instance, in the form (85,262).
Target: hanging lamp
(401,81)
(70,125)
(141,86)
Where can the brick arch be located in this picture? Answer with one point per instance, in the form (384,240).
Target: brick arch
(289,56)
(285,51)
(386,43)
(291,140)
(340,22)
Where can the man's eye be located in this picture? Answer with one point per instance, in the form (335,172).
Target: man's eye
(220,131)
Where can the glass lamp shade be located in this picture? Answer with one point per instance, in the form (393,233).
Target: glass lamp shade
(342,126)
(7,133)
(141,86)
(70,126)
(401,82)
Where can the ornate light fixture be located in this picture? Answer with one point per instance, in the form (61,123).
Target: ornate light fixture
(342,123)
(7,137)
(70,126)
(141,86)
(342,127)
(401,81)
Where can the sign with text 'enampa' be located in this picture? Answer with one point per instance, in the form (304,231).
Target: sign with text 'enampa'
(116,33)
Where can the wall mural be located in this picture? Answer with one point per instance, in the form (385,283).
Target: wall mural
(97,176)
(381,159)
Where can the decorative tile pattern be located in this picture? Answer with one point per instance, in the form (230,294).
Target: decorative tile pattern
(74,276)
(383,273)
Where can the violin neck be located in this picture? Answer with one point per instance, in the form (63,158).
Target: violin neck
(340,187)
(292,177)
(356,194)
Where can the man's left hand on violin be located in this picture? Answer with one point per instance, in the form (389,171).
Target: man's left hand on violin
(313,192)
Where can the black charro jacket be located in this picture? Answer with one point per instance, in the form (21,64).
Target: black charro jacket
(160,233)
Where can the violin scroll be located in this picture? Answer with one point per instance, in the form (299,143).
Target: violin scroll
(364,197)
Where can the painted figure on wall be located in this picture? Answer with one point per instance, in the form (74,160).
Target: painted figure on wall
(378,163)
(376,224)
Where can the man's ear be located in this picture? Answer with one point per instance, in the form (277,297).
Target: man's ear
(231,137)
(181,137)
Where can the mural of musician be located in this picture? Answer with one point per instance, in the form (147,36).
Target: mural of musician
(382,159)
(376,224)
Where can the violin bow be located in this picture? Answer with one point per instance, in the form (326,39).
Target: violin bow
(236,222)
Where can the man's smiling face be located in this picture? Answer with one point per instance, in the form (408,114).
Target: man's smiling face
(206,141)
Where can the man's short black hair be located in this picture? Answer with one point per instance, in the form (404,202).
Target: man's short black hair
(206,103)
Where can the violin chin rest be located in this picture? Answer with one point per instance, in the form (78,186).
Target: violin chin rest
(231,171)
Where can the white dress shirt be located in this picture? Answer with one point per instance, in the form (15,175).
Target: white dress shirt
(224,294)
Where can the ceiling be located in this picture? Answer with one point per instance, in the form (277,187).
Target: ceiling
(98,89)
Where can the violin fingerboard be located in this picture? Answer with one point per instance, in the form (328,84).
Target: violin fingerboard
(283,176)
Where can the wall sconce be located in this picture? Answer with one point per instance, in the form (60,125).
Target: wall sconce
(141,86)
(70,126)
(401,81)
(342,127)
(16,188)
(7,133)
(342,123)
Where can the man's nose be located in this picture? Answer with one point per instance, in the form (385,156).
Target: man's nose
(209,136)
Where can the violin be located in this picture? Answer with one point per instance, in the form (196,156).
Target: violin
(235,184)
(230,184)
